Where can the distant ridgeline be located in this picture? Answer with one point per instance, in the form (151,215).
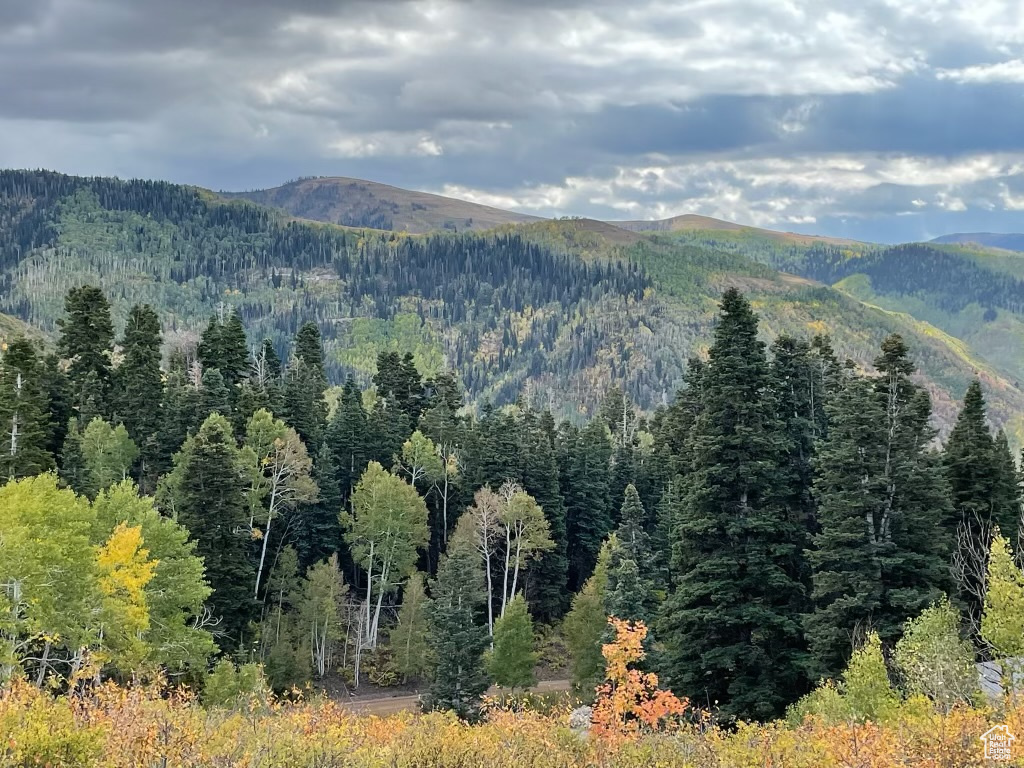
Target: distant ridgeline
(496,308)
(954,281)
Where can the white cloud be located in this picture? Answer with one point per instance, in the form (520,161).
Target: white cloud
(1004,72)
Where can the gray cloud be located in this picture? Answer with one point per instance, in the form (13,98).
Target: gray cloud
(817,114)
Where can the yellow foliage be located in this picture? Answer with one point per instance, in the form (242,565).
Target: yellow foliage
(124,571)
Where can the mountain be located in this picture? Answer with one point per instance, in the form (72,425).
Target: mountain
(557,311)
(1006,241)
(359,203)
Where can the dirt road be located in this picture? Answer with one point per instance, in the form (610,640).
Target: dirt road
(390,705)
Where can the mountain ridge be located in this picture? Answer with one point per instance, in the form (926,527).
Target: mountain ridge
(361,203)
(1007,241)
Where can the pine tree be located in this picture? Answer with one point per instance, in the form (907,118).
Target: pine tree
(672,426)
(271,367)
(732,626)
(315,527)
(917,502)
(398,378)
(140,391)
(214,395)
(305,409)
(346,438)
(206,492)
(24,414)
(631,587)
(587,504)
(546,586)
(223,346)
(458,638)
(87,342)
(182,412)
(797,396)
(388,426)
(848,592)
(309,349)
(882,553)
(513,658)
(73,472)
(59,406)
(982,481)
(1006,492)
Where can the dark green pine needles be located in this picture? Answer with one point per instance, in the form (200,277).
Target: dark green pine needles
(731,624)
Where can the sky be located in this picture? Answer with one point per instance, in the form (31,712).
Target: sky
(884,120)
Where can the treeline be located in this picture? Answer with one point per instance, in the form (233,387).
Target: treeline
(782,508)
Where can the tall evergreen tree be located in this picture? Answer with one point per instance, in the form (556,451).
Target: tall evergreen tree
(848,591)
(917,499)
(731,626)
(458,637)
(546,584)
(24,412)
(59,404)
(182,412)
(305,409)
(316,529)
(140,391)
(388,426)
(982,483)
(672,426)
(397,377)
(346,439)
(587,503)
(214,395)
(1006,494)
(223,346)
(87,342)
(882,552)
(206,493)
(73,472)
(309,348)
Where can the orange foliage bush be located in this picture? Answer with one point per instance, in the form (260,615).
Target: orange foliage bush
(630,700)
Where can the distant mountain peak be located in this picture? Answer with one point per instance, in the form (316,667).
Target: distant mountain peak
(1008,241)
(361,203)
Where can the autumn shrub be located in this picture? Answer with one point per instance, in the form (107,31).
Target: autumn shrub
(630,700)
(130,727)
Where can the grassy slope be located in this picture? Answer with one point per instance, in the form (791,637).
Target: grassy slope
(341,200)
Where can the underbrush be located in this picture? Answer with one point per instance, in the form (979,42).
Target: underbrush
(113,727)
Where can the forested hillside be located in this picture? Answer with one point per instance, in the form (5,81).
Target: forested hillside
(558,311)
(966,297)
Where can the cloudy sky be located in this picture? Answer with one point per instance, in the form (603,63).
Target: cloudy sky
(877,119)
